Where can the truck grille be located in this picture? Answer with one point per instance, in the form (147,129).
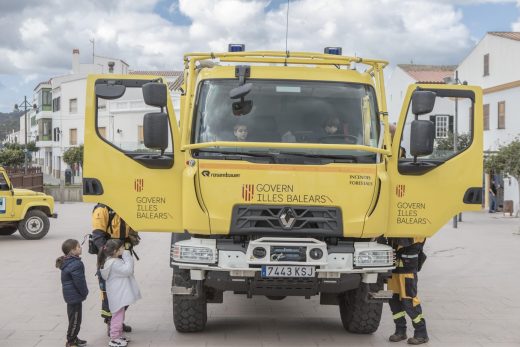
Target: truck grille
(286,220)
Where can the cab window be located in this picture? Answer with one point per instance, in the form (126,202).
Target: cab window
(452,119)
(119,121)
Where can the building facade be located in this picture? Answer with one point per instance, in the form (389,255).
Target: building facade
(57,121)
(492,65)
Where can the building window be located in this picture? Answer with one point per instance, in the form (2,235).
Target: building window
(486,64)
(73,137)
(44,129)
(45,99)
(73,106)
(502,115)
(103,132)
(140,134)
(56,134)
(56,104)
(442,124)
(486,117)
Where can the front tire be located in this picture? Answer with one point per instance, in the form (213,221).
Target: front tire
(35,225)
(357,315)
(189,314)
(8,230)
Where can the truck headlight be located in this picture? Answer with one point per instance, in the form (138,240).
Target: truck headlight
(193,254)
(374,258)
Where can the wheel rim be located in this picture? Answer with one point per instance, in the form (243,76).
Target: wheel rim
(34,225)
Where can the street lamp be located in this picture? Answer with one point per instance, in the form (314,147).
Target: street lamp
(25,105)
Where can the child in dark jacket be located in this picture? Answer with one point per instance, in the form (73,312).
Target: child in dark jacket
(74,287)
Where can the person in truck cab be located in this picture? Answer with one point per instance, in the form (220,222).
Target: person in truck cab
(240,131)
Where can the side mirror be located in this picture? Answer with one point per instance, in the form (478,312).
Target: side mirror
(422,102)
(154,94)
(110,91)
(155,130)
(421,138)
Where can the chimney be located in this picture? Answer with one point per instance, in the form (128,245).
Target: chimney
(111,66)
(75,60)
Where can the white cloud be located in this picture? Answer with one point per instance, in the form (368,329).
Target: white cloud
(40,35)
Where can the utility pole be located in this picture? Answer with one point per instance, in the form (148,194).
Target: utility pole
(25,106)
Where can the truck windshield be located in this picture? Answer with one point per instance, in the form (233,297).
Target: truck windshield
(289,111)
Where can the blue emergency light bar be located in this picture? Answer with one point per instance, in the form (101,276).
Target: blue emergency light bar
(236,47)
(332,50)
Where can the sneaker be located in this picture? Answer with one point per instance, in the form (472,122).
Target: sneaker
(124,338)
(80,342)
(117,343)
(71,344)
(397,337)
(127,328)
(417,340)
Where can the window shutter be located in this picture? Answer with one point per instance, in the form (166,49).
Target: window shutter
(451,128)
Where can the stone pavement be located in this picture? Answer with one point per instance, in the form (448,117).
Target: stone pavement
(469,288)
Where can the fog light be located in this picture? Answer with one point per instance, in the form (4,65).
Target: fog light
(259,252)
(316,253)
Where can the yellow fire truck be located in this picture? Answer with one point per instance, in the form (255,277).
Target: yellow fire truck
(279,176)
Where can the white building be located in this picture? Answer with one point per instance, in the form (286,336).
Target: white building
(492,64)
(57,123)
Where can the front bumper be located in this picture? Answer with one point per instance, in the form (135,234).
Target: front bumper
(239,261)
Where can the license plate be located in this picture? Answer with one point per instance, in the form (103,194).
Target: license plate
(287,271)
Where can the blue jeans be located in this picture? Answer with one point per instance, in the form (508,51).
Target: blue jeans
(492,203)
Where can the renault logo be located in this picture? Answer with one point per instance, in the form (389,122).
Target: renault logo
(287,217)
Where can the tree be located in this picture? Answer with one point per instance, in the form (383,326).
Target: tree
(74,155)
(446,144)
(507,161)
(12,157)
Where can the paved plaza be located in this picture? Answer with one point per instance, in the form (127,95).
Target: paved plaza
(469,287)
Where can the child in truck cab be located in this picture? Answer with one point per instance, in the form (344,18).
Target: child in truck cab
(240,131)
(121,286)
(74,287)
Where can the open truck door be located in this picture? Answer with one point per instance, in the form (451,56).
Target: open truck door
(435,174)
(132,160)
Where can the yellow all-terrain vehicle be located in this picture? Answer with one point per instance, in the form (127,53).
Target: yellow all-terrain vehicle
(279,177)
(24,210)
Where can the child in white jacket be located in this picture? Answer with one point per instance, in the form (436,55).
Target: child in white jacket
(121,286)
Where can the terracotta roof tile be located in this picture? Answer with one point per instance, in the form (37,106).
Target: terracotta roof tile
(157,73)
(513,35)
(428,73)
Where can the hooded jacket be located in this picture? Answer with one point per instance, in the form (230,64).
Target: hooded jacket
(73,281)
(121,286)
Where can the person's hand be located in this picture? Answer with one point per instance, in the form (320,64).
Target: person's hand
(128,245)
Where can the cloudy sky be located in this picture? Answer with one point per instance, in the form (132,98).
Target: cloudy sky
(37,36)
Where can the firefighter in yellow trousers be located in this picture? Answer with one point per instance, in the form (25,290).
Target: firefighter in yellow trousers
(409,259)
(106,225)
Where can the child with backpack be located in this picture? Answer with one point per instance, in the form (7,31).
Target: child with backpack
(74,288)
(121,286)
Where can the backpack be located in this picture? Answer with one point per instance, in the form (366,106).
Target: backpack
(92,248)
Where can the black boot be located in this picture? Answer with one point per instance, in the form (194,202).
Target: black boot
(127,328)
(399,335)
(418,340)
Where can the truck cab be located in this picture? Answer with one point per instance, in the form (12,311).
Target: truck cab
(280,177)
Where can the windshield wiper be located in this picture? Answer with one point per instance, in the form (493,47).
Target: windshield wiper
(235,154)
(344,158)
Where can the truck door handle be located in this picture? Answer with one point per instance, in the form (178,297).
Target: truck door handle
(92,186)
(473,196)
